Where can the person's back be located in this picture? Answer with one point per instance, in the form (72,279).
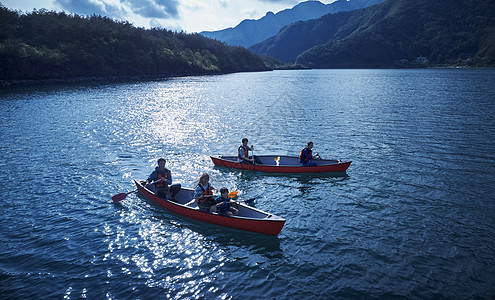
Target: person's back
(306,156)
(303,156)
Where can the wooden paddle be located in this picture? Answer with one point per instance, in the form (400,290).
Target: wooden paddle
(122,196)
(254,160)
(248,201)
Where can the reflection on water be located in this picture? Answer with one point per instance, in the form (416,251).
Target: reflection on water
(402,222)
(219,234)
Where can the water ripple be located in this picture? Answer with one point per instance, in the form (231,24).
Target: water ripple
(412,218)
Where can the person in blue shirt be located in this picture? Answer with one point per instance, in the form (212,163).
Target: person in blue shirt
(306,156)
(224,205)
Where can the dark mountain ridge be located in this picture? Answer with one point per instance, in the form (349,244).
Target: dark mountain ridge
(391,34)
(250,32)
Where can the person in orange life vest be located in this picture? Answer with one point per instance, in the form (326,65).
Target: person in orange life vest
(224,205)
(306,156)
(243,153)
(161,188)
(204,193)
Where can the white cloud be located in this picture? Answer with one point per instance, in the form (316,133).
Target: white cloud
(188,15)
(90,7)
(223,3)
(251,12)
(161,9)
(291,2)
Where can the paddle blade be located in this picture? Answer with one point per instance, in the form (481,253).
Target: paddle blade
(119,197)
(250,200)
(233,194)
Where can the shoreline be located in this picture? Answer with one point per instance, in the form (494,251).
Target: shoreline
(5,83)
(118,78)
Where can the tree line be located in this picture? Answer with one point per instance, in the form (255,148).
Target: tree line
(55,45)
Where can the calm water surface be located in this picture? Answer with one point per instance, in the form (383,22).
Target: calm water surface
(413,217)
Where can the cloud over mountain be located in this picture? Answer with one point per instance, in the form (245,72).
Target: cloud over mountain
(159,9)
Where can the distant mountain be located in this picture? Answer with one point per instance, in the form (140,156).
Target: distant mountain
(250,32)
(392,34)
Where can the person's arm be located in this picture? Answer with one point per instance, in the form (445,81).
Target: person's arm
(198,193)
(241,153)
(169,177)
(153,176)
(220,201)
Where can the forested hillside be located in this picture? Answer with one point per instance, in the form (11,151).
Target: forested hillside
(396,33)
(50,45)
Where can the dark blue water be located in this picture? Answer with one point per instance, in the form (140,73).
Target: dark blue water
(414,217)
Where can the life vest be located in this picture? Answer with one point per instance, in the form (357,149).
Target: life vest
(206,191)
(162,184)
(223,207)
(246,151)
(304,159)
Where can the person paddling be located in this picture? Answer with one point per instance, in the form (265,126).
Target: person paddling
(306,156)
(162,178)
(243,153)
(224,205)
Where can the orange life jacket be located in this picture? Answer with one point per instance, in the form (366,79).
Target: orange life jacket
(161,184)
(206,191)
(305,159)
(246,151)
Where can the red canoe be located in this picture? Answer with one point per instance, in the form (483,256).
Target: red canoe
(248,218)
(281,164)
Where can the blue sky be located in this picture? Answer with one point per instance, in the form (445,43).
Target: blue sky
(187,15)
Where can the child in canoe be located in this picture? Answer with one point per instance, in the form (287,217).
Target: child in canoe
(224,205)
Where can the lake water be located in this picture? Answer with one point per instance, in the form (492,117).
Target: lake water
(414,217)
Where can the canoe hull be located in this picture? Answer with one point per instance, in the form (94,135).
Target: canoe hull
(263,222)
(287,164)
